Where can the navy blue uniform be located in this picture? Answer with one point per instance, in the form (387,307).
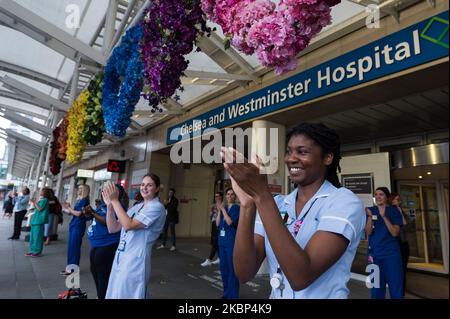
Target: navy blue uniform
(385,253)
(227,236)
(77,228)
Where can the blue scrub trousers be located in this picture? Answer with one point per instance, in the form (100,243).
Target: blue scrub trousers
(391,272)
(229,279)
(76,234)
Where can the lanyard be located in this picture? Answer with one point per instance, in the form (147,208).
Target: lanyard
(299,222)
(134,214)
(297,226)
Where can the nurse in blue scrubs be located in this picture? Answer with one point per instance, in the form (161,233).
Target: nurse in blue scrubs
(227,221)
(382,228)
(309,236)
(77,226)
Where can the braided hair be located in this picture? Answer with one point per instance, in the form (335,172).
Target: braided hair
(329,142)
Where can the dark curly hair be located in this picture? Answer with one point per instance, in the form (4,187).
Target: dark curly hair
(329,142)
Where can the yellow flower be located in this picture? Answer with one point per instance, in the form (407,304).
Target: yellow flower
(77,118)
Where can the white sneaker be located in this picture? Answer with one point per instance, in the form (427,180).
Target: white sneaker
(161,247)
(173,248)
(216,262)
(206,263)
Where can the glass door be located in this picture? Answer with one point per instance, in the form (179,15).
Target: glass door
(423,231)
(415,230)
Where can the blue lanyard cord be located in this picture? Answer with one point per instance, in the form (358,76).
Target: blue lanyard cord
(306,214)
(301,221)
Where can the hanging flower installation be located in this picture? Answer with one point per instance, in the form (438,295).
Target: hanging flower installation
(122,83)
(62,138)
(171,28)
(275,34)
(94,128)
(77,118)
(54,161)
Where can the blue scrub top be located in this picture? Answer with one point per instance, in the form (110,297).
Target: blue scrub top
(332,210)
(227,233)
(381,242)
(79,221)
(98,233)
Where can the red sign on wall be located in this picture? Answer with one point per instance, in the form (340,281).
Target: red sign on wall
(116,166)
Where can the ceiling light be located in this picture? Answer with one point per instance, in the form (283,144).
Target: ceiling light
(428,173)
(195,80)
(420,176)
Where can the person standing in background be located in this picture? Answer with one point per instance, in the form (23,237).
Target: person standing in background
(382,227)
(20,209)
(227,222)
(8,205)
(214,211)
(103,243)
(55,210)
(396,201)
(77,227)
(172,219)
(39,219)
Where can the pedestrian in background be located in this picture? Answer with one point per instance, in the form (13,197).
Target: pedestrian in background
(213,212)
(77,227)
(396,201)
(227,222)
(20,210)
(103,243)
(39,219)
(172,219)
(383,227)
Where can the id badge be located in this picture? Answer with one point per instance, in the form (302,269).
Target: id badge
(222,233)
(374,217)
(122,245)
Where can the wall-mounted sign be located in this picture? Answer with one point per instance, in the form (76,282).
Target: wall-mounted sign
(85,173)
(116,166)
(102,175)
(360,184)
(418,44)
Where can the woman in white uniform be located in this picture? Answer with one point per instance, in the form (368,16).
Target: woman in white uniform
(310,236)
(140,227)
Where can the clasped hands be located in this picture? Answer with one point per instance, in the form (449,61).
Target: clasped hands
(110,192)
(248,179)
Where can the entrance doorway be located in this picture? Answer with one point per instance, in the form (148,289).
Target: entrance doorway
(424,231)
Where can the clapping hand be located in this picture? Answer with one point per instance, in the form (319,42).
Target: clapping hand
(247,178)
(110,193)
(88,211)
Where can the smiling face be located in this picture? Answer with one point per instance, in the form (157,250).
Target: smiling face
(380,197)
(231,197)
(148,188)
(305,162)
(80,191)
(396,201)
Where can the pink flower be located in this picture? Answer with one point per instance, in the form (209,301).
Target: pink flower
(246,14)
(208,8)
(224,13)
(277,35)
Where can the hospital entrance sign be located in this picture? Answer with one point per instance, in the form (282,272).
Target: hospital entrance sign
(420,43)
